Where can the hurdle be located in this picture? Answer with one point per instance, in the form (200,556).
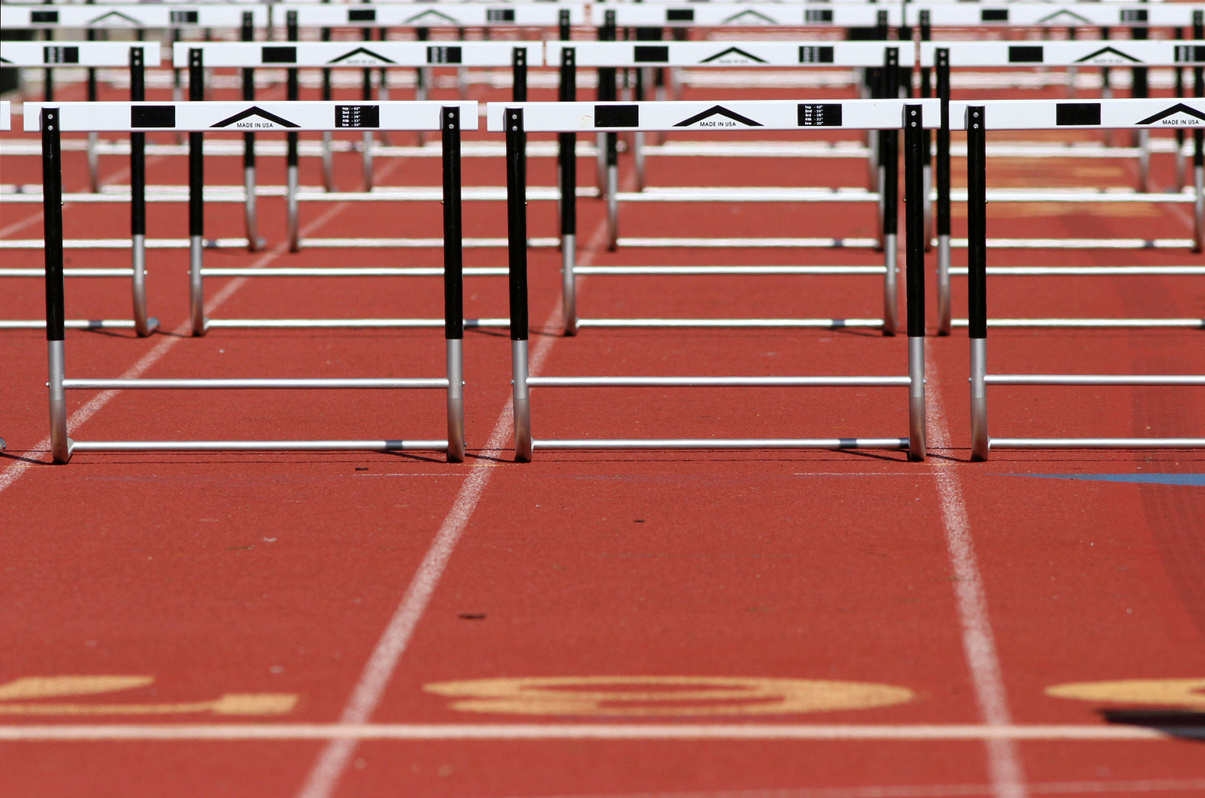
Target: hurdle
(333,55)
(1163,53)
(726,55)
(518,120)
(1050,115)
(196,117)
(6,122)
(135,57)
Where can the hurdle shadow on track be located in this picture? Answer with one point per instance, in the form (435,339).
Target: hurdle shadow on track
(1181,724)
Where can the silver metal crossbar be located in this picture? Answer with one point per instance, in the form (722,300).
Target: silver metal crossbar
(147,383)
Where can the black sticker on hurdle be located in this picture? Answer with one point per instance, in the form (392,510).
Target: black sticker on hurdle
(499,15)
(820,115)
(60,55)
(361,15)
(357,116)
(1025,54)
(718,110)
(818,15)
(1167,113)
(278,55)
(814,54)
(652,54)
(617,116)
(444,55)
(153,116)
(44,17)
(1190,53)
(1134,15)
(240,119)
(679,15)
(185,17)
(1077,114)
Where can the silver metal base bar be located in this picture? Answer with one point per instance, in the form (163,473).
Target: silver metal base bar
(60,443)
(1076,195)
(718,382)
(338,324)
(943,284)
(368,166)
(328,162)
(917,437)
(93,163)
(1095,379)
(249,384)
(455,361)
(1087,270)
(420,243)
(980,442)
(521,401)
(836,243)
(1103,323)
(891,257)
(124,243)
(143,323)
(612,194)
(723,443)
(569,272)
(724,270)
(747,194)
(250,209)
(261,446)
(1081,243)
(1098,443)
(71,324)
(1199,209)
(196,286)
(292,213)
(819,324)
(68,273)
(317,271)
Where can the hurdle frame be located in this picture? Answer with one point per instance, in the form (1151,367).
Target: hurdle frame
(554,117)
(136,56)
(1147,52)
(52,119)
(978,118)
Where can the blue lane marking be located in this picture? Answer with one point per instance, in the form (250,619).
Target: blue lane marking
(1190,480)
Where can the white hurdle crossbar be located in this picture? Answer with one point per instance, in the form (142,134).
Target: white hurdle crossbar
(196,117)
(135,56)
(332,55)
(517,120)
(977,119)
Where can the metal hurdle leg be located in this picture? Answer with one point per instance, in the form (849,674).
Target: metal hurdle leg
(977,277)
(916,237)
(567,184)
(516,219)
(292,169)
(889,139)
(1198,161)
(254,242)
(52,208)
(453,281)
(196,201)
(143,324)
(944,322)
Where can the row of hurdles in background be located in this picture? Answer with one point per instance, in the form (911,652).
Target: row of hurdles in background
(885,58)
(889,117)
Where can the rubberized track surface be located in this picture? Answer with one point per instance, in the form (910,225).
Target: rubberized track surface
(713,624)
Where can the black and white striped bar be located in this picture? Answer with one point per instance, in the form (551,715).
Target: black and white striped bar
(980,118)
(289,116)
(445,15)
(1078,53)
(75,54)
(359,54)
(66,17)
(1051,15)
(752,15)
(724,53)
(572,116)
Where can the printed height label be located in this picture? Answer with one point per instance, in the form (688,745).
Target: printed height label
(444,55)
(813,54)
(60,55)
(820,115)
(358,116)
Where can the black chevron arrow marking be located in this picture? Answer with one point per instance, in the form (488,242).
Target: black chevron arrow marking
(255,111)
(1108,51)
(1178,108)
(718,110)
(733,51)
(364,51)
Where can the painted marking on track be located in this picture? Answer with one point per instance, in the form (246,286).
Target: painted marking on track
(1184,480)
(647,696)
(1181,693)
(30,696)
(589,731)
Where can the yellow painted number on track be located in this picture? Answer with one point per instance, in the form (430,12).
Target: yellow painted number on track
(1183,693)
(16,697)
(649,696)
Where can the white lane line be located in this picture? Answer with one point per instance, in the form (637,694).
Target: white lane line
(374,679)
(1005,769)
(14,471)
(355,732)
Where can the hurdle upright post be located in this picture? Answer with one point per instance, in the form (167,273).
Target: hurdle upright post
(52,221)
(292,164)
(608,142)
(889,168)
(567,162)
(516,230)
(253,240)
(944,314)
(1198,139)
(977,276)
(916,235)
(328,156)
(143,325)
(196,197)
(453,280)
(93,138)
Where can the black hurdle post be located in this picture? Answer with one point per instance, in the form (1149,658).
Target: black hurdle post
(567,163)
(196,196)
(52,225)
(977,274)
(293,93)
(453,280)
(943,193)
(915,238)
(1198,137)
(518,64)
(328,159)
(249,181)
(608,91)
(516,231)
(143,325)
(1179,132)
(93,96)
(889,168)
